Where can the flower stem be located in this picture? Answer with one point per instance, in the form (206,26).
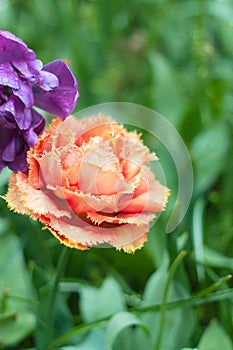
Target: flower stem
(163,307)
(47,305)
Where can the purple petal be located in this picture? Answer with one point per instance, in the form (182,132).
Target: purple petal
(20,162)
(8,108)
(28,69)
(8,35)
(23,115)
(38,124)
(37,65)
(2,165)
(47,81)
(9,152)
(8,76)
(5,136)
(13,48)
(31,137)
(61,100)
(63,72)
(4,123)
(25,94)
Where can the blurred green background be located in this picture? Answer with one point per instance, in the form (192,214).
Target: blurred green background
(175,57)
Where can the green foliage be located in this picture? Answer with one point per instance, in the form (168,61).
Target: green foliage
(17,319)
(209,150)
(119,322)
(95,302)
(215,338)
(175,57)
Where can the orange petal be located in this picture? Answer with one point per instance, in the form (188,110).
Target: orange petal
(50,169)
(25,199)
(79,231)
(80,202)
(100,126)
(150,196)
(44,144)
(130,237)
(133,155)
(121,218)
(100,170)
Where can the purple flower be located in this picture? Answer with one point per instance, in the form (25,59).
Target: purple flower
(25,83)
(15,142)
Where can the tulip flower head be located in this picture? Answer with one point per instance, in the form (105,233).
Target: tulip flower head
(89,183)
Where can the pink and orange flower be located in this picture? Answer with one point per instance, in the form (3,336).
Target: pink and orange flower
(89,183)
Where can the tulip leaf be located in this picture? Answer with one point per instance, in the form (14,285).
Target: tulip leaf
(208,152)
(119,322)
(97,303)
(215,338)
(215,259)
(95,340)
(4,176)
(167,87)
(15,282)
(179,323)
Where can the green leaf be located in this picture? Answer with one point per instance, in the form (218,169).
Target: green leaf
(179,323)
(208,152)
(167,87)
(4,176)
(215,338)
(4,225)
(97,303)
(220,9)
(119,322)
(83,328)
(14,281)
(95,340)
(216,259)
(135,338)
(6,323)
(198,235)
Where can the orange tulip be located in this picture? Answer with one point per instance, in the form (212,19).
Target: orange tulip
(89,183)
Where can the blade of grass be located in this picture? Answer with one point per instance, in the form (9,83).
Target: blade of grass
(163,308)
(46,308)
(198,213)
(214,286)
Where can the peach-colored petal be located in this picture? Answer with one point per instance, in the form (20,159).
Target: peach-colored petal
(100,126)
(50,169)
(15,196)
(127,237)
(80,202)
(100,170)
(121,218)
(130,237)
(150,196)
(80,231)
(132,155)
(83,129)
(66,241)
(44,144)
(34,172)
(25,199)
